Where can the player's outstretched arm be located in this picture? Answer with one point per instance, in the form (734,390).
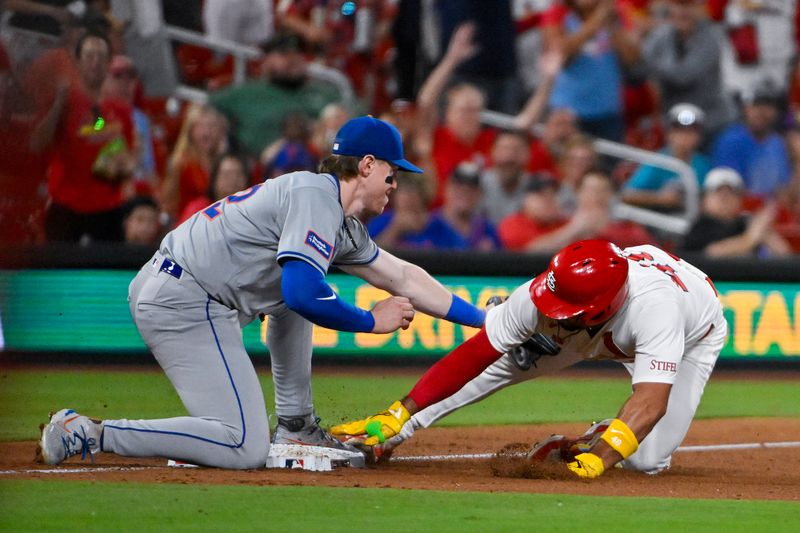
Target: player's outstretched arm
(442,380)
(402,278)
(640,413)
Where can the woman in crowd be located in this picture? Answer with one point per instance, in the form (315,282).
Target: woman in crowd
(201,139)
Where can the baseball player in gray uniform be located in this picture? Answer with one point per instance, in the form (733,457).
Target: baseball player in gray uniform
(263,251)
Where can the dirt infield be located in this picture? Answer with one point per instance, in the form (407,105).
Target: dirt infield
(763,473)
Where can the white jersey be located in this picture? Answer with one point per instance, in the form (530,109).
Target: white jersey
(671,306)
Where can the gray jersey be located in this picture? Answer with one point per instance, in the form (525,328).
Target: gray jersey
(233,247)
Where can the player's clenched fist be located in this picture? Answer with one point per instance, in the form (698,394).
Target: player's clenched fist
(392,313)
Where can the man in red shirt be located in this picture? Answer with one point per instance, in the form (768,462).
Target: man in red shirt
(88,144)
(460,137)
(538,217)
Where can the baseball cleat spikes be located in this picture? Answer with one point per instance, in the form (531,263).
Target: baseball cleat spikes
(550,449)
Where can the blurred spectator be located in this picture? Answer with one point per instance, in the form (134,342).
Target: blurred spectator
(754,148)
(255,108)
(228,176)
(593,219)
(493,67)
(409,224)
(89,140)
(724,230)
(528,15)
(594,214)
(243,21)
(682,55)
(504,182)
(460,137)
(140,221)
(22,174)
(761,43)
(538,215)
(578,158)
(122,83)
(788,220)
(348,36)
(331,118)
(661,189)
(461,209)
(42,16)
(41,20)
(560,123)
(559,126)
(147,43)
(590,35)
(202,138)
(53,67)
(292,151)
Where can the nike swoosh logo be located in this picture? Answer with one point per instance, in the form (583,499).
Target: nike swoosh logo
(612,430)
(331,297)
(396,413)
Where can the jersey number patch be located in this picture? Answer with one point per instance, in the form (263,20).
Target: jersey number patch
(211,212)
(646,260)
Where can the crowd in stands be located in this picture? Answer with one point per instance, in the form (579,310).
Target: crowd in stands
(89,154)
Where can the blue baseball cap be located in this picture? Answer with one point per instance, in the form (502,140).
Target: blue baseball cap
(361,136)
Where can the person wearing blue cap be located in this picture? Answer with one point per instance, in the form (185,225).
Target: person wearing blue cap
(263,252)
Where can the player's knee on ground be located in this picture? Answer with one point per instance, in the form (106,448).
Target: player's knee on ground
(252,454)
(250,445)
(649,463)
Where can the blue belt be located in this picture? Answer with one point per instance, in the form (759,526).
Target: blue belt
(171,267)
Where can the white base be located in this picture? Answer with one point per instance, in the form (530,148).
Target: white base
(180,464)
(316,458)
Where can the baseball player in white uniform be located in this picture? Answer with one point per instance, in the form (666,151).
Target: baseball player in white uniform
(656,314)
(263,251)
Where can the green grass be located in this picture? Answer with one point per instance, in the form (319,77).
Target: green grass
(41,505)
(26,396)
(60,505)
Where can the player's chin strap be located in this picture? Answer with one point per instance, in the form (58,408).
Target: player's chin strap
(619,436)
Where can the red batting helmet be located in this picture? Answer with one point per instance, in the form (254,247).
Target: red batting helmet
(586,279)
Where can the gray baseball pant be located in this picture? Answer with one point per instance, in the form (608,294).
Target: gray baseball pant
(198,343)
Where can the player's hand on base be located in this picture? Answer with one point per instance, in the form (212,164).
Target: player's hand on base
(587,465)
(375,429)
(392,314)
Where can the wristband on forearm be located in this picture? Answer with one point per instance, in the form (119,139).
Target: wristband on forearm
(620,437)
(463,312)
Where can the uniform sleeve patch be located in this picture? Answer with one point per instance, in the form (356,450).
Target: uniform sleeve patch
(319,244)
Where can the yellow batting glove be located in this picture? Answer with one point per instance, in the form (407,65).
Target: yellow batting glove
(377,428)
(587,465)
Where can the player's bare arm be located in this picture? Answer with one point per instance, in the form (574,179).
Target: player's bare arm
(639,414)
(401,278)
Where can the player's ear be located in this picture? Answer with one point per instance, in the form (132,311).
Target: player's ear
(366,165)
